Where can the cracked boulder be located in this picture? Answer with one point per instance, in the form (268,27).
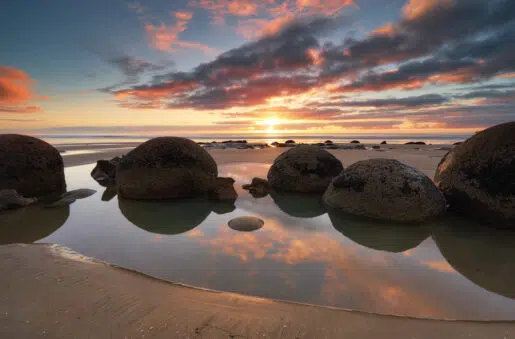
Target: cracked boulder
(304,168)
(385,189)
(478,176)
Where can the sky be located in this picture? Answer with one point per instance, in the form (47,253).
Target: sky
(204,67)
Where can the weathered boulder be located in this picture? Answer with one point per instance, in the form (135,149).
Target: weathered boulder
(246,224)
(478,176)
(105,171)
(304,168)
(30,166)
(223,190)
(165,168)
(10,199)
(385,189)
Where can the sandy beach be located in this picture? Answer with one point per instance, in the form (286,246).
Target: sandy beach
(49,291)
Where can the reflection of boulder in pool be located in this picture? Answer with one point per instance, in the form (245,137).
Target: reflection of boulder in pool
(166,217)
(483,256)
(378,235)
(30,224)
(300,205)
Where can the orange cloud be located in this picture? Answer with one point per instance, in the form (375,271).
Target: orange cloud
(388,29)
(415,9)
(15,90)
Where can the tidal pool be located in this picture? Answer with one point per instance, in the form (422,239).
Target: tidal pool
(447,269)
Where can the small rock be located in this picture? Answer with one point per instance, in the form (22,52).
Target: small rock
(376,147)
(383,142)
(105,171)
(415,143)
(258,188)
(246,224)
(109,193)
(355,142)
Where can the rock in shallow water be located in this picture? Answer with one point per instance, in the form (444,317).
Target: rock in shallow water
(304,168)
(10,199)
(166,168)
(478,176)
(224,190)
(385,189)
(246,224)
(30,166)
(105,171)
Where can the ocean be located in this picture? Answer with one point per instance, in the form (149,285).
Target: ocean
(367,139)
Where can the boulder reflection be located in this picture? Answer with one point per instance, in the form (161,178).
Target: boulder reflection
(166,217)
(30,224)
(377,235)
(299,205)
(483,255)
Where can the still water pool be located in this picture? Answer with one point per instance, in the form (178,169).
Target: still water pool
(448,269)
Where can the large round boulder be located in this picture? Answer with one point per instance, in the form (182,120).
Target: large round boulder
(166,168)
(385,189)
(30,166)
(478,176)
(304,168)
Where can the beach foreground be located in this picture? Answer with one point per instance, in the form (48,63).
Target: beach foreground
(49,291)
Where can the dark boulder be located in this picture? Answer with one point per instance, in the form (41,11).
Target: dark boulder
(478,177)
(30,166)
(224,190)
(105,171)
(355,142)
(304,168)
(385,189)
(166,168)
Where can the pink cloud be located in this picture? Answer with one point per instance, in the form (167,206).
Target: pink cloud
(16,91)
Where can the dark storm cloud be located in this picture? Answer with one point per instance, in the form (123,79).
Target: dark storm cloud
(133,67)
(415,101)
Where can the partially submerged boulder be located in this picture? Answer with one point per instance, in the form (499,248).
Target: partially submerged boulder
(30,166)
(385,189)
(10,199)
(478,176)
(304,168)
(258,187)
(224,190)
(166,168)
(105,171)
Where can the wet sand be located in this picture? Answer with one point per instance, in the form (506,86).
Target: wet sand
(51,292)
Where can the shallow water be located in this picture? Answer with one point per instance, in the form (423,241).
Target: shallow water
(447,269)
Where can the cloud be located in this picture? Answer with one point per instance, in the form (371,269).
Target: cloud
(133,67)
(16,91)
(291,63)
(165,37)
(255,18)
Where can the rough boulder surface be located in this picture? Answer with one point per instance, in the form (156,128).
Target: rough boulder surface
(224,190)
(478,176)
(30,166)
(385,189)
(166,168)
(304,168)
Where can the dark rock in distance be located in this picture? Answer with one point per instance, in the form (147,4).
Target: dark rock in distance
(166,168)
(355,142)
(289,142)
(376,147)
(328,142)
(385,189)
(478,177)
(383,142)
(30,166)
(415,143)
(304,168)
